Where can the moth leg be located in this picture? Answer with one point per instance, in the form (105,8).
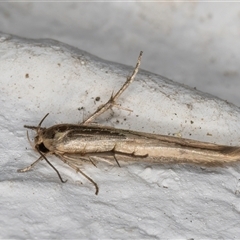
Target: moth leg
(90,159)
(113,151)
(26,169)
(109,153)
(85,159)
(116,160)
(80,171)
(112,101)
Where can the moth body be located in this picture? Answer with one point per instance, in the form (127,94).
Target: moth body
(82,140)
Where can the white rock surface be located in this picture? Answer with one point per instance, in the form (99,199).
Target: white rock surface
(194,43)
(137,201)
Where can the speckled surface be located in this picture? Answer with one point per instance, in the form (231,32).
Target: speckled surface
(138,200)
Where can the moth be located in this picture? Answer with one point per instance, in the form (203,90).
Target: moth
(77,144)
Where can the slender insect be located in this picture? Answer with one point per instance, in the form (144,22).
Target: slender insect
(85,143)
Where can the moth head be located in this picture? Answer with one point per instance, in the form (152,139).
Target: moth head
(39,146)
(38,139)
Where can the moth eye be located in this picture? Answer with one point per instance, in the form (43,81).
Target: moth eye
(42,148)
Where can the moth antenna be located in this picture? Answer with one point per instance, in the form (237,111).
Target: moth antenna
(43,156)
(39,125)
(31,143)
(31,127)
